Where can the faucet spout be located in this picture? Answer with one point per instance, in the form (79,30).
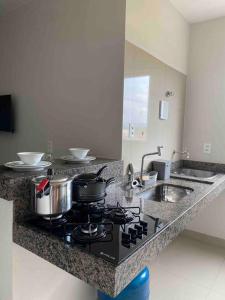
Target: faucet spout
(183,153)
(158,152)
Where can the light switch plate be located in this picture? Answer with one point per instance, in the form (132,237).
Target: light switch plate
(207,148)
(131,130)
(163,110)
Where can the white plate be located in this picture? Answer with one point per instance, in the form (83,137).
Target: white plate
(20,166)
(70,158)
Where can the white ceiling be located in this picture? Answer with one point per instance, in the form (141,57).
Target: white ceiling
(8,5)
(192,10)
(200,10)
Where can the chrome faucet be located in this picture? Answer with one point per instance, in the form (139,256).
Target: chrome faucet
(131,182)
(185,153)
(130,173)
(143,158)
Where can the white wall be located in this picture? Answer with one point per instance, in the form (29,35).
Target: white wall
(158,28)
(205,111)
(149,130)
(6,217)
(211,221)
(205,105)
(63,62)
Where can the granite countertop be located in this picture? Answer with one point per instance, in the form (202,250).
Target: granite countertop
(103,275)
(16,186)
(9,176)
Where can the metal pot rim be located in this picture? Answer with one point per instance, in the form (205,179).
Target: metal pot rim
(55,181)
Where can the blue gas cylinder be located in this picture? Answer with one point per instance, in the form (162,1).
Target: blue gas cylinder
(138,289)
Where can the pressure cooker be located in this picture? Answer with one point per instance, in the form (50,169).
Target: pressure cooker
(51,194)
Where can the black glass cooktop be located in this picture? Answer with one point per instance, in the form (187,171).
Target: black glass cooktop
(110,232)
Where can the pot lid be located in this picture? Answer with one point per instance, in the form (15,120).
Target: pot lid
(90,176)
(86,177)
(59,178)
(53,179)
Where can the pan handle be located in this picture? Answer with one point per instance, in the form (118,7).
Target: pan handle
(110,181)
(100,171)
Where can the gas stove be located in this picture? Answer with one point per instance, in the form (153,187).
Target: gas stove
(110,232)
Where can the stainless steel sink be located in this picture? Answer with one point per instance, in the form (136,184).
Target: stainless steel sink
(166,192)
(195,173)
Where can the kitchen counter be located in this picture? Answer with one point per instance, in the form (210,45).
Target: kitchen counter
(9,177)
(113,278)
(16,186)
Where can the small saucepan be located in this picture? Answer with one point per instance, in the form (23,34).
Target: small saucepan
(90,187)
(87,177)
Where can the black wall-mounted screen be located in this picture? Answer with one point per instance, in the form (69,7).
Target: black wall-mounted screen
(6,114)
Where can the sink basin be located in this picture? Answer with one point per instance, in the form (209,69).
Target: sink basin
(195,173)
(166,192)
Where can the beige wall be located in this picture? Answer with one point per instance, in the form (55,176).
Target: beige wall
(32,271)
(63,62)
(205,111)
(158,28)
(157,132)
(205,105)
(211,221)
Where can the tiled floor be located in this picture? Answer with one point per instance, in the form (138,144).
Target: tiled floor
(186,270)
(189,270)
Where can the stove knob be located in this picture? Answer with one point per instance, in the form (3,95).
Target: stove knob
(144,226)
(139,230)
(133,235)
(126,239)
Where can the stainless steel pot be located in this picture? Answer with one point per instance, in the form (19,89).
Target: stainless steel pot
(51,196)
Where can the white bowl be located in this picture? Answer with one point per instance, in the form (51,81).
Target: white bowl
(79,153)
(30,158)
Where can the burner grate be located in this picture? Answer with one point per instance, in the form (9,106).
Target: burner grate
(50,223)
(122,215)
(83,235)
(90,232)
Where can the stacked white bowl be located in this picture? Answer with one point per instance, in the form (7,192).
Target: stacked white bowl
(30,158)
(79,153)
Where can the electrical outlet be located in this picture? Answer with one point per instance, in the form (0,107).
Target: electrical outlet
(207,148)
(131,130)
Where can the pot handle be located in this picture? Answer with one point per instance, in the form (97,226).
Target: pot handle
(42,185)
(110,181)
(100,171)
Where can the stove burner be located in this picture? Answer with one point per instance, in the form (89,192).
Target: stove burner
(121,215)
(89,228)
(83,235)
(51,223)
(87,213)
(50,218)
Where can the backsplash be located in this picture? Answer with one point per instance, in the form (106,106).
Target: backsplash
(145,84)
